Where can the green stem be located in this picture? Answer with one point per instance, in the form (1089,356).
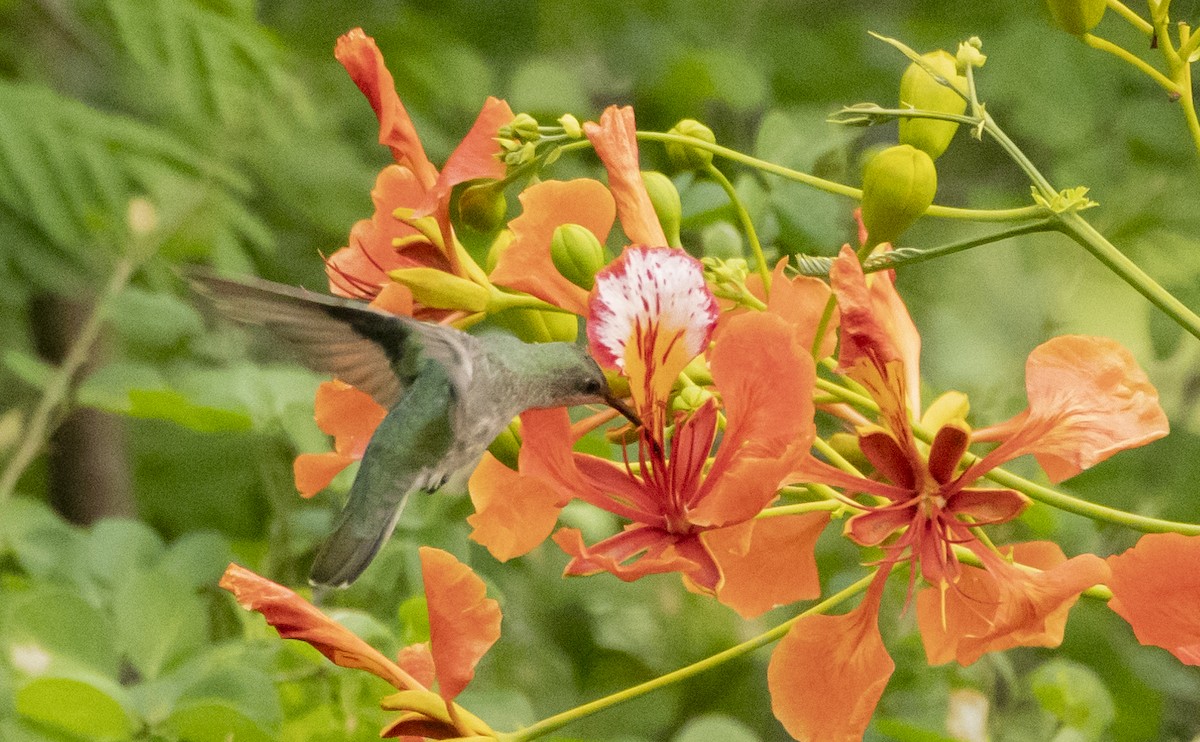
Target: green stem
(1134,19)
(747,225)
(829,186)
(58,390)
(557,721)
(1078,229)
(802,508)
(1125,55)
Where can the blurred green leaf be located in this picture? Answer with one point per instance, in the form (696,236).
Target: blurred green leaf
(154,320)
(28,368)
(41,541)
(119,548)
(159,621)
(713,727)
(414,620)
(215,721)
(86,708)
(198,558)
(50,628)
(1076,695)
(165,404)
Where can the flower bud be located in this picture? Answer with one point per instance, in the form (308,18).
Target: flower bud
(898,186)
(482,207)
(846,444)
(571,126)
(538,326)
(577,254)
(523,127)
(504,239)
(1076,17)
(667,205)
(918,89)
(950,406)
(438,289)
(690,398)
(507,446)
(686,157)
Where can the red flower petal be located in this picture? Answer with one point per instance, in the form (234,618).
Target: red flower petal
(362,59)
(514,513)
(295,618)
(349,415)
(828,673)
(773,565)
(766,382)
(526,264)
(1088,399)
(417,660)
(615,140)
(1156,588)
(639,551)
(463,622)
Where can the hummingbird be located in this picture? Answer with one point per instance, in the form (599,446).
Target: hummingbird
(448,395)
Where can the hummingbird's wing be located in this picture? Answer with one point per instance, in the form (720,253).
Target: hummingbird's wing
(410,451)
(376,352)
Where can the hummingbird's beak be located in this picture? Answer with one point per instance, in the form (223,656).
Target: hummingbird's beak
(612,401)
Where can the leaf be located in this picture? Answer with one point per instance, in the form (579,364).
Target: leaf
(159,621)
(118,548)
(51,628)
(1076,695)
(463,622)
(41,541)
(165,404)
(154,320)
(214,721)
(87,708)
(197,559)
(28,368)
(714,726)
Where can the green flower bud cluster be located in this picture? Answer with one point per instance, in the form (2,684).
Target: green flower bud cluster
(684,156)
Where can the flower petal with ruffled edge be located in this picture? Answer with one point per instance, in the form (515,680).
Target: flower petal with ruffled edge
(1088,399)
(350,416)
(1004,606)
(1156,588)
(463,622)
(526,265)
(649,314)
(514,512)
(767,562)
(361,57)
(295,618)
(615,140)
(766,382)
(639,551)
(828,673)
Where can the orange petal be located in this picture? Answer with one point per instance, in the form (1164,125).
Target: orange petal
(615,140)
(314,471)
(639,551)
(295,618)
(766,382)
(1088,399)
(417,660)
(828,673)
(463,622)
(880,347)
(514,513)
(362,59)
(349,415)
(396,299)
(1004,606)
(801,300)
(475,156)
(526,264)
(775,566)
(1156,588)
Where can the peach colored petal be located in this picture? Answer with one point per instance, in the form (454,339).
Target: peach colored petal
(1156,588)
(615,140)
(463,622)
(362,59)
(295,618)
(417,660)
(775,566)
(526,264)
(474,157)
(349,415)
(514,513)
(766,382)
(1088,399)
(801,300)
(313,472)
(827,674)
(396,299)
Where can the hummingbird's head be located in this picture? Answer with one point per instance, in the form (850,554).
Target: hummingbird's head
(574,377)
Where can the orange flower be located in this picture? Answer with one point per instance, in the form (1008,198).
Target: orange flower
(1087,400)
(650,315)
(463,625)
(350,416)
(1156,588)
(389,240)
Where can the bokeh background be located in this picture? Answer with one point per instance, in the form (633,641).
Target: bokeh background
(257,154)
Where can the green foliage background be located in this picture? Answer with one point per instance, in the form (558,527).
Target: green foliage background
(258,154)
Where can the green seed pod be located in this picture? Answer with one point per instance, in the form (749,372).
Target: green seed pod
(1076,17)
(667,205)
(577,254)
(686,157)
(898,186)
(918,89)
(438,289)
(537,325)
(482,207)
(507,446)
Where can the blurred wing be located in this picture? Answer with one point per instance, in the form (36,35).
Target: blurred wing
(376,352)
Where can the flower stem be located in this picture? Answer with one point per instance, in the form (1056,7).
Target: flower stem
(1134,19)
(1128,57)
(557,721)
(747,225)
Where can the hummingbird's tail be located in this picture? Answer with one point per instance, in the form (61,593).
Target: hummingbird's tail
(352,545)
